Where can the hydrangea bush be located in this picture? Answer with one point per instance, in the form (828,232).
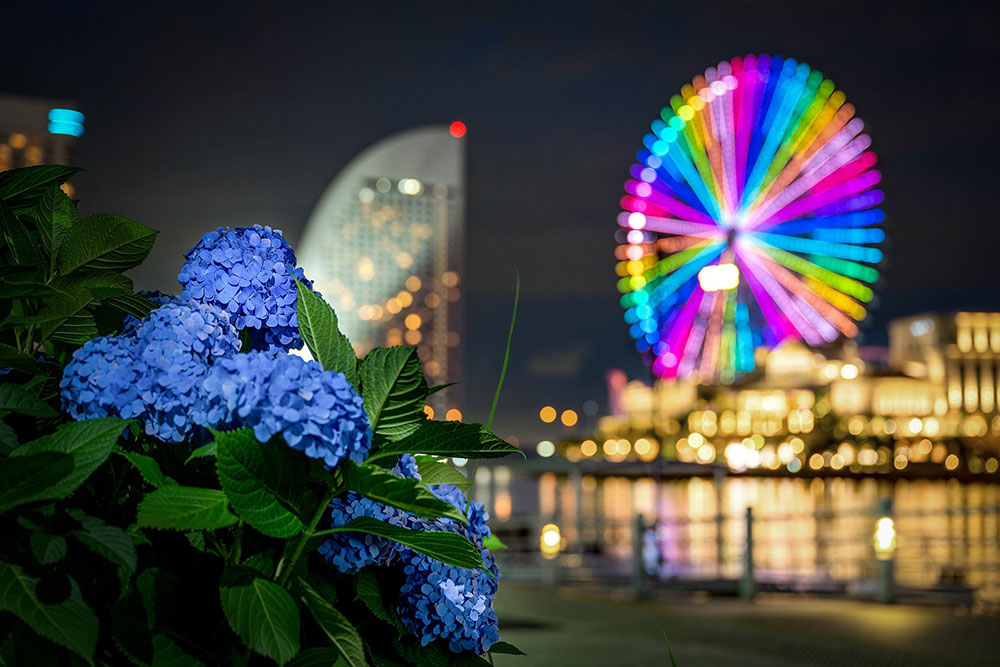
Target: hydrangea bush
(178,488)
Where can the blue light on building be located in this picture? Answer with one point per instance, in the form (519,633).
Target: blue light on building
(66,121)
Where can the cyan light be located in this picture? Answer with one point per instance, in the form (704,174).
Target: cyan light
(66,121)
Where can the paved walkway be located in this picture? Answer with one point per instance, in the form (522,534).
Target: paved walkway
(575,627)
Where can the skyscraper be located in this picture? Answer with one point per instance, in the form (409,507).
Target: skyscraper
(38,131)
(385,246)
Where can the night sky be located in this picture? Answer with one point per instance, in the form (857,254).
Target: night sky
(240,113)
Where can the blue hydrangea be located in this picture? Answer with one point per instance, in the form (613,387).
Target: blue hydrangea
(317,411)
(101,380)
(247,272)
(453,604)
(437,601)
(174,349)
(153,373)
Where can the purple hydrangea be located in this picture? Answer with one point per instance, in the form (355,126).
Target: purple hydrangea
(152,373)
(249,273)
(317,411)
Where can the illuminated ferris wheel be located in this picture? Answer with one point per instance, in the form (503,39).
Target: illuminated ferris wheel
(750,218)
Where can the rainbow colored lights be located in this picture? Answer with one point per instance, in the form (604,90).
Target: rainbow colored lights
(750,219)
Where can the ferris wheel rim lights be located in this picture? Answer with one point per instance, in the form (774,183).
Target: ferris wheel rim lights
(750,218)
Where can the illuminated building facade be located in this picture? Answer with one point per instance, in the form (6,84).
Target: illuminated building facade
(385,246)
(37,131)
(932,411)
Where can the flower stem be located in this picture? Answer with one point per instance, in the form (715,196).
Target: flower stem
(284,571)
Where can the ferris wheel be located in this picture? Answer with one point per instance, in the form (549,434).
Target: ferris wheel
(751,218)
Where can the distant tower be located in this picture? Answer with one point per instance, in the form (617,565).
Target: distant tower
(38,131)
(385,246)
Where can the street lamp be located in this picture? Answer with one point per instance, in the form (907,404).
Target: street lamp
(550,540)
(884,542)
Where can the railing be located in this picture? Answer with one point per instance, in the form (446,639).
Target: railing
(949,554)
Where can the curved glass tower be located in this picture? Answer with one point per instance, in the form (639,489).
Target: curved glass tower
(385,247)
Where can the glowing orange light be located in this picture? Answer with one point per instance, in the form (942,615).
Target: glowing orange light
(568,417)
(547,414)
(457,129)
(453,415)
(429,411)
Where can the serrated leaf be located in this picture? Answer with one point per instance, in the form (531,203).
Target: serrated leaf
(447,547)
(506,648)
(201,452)
(493,543)
(130,626)
(335,626)
(185,508)
(54,213)
(27,181)
(109,541)
(8,439)
(105,241)
(261,613)
(149,469)
(25,479)
(394,390)
(14,398)
(407,494)
(135,305)
(71,623)
(100,284)
(367,590)
(318,326)
(166,653)
(89,442)
(67,319)
(11,357)
(46,547)
(264,482)
(19,239)
(471,441)
(433,472)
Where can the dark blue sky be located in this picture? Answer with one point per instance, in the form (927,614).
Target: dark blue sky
(206,114)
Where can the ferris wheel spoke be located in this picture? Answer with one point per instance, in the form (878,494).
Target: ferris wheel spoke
(806,321)
(798,244)
(831,277)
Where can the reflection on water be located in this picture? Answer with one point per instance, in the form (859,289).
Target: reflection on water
(806,531)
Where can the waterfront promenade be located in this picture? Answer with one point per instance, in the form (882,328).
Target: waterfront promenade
(600,627)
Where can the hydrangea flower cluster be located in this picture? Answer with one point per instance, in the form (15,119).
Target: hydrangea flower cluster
(249,273)
(154,372)
(437,601)
(317,411)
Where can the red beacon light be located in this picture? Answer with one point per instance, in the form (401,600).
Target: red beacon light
(457,129)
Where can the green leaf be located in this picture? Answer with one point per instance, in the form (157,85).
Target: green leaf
(493,543)
(46,547)
(19,239)
(149,469)
(8,439)
(67,319)
(105,241)
(201,452)
(28,181)
(137,306)
(261,613)
(14,398)
(168,654)
(394,390)
(504,647)
(447,547)
(11,357)
(130,625)
(433,472)
(185,508)
(109,541)
(318,657)
(71,623)
(318,326)
(335,626)
(367,590)
(449,439)
(55,214)
(440,387)
(89,442)
(407,494)
(100,284)
(264,481)
(25,479)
